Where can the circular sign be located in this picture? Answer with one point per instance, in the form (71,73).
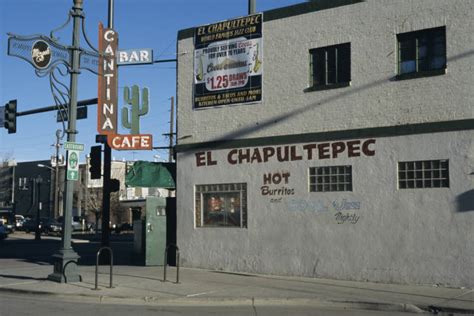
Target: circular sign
(73,160)
(41,54)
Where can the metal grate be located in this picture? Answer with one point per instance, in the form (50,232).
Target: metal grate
(423,174)
(330,179)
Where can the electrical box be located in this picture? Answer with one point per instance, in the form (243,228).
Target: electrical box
(150,233)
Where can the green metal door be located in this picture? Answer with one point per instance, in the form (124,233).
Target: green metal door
(155,230)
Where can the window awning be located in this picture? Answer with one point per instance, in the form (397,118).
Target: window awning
(151,175)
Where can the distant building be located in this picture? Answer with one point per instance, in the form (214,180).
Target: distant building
(19,187)
(338,144)
(7,171)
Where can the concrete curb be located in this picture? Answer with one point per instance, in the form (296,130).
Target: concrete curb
(224,301)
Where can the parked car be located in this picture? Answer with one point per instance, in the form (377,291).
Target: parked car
(51,227)
(19,220)
(29,225)
(77,223)
(8,221)
(3,232)
(46,226)
(125,227)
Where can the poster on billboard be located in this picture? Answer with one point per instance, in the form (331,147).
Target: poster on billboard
(228,62)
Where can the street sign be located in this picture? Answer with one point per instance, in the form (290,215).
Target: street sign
(73,146)
(72,170)
(80,114)
(135,56)
(40,51)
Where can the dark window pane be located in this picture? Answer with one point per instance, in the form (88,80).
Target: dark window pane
(407,49)
(319,68)
(344,68)
(331,66)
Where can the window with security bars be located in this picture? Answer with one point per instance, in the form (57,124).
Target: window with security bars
(330,66)
(422,52)
(221,205)
(330,179)
(423,174)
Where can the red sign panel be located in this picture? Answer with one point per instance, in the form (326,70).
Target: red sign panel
(107,107)
(129,142)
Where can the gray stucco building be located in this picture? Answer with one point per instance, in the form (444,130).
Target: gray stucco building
(356,159)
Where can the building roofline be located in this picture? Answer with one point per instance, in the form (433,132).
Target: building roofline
(285,12)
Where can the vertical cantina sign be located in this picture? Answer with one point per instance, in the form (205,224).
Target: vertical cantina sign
(107,107)
(107,94)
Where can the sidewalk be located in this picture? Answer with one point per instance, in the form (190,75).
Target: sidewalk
(144,285)
(26,263)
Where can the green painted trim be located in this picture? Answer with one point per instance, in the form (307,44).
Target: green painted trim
(374,132)
(286,12)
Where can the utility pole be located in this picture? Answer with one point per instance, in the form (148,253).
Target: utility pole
(170,151)
(252,7)
(66,255)
(37,198)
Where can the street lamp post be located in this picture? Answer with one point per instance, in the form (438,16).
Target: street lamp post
(37,186)
(56,187)
(56,174)
(65,261)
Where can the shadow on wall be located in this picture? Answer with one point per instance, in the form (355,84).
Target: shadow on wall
(308,108)
(465,202)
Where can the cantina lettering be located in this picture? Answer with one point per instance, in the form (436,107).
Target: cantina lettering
(320,151)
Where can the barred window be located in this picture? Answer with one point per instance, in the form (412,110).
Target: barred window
(221,205)
(329,179)
(423,174)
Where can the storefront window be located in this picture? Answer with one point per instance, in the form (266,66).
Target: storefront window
(221,205)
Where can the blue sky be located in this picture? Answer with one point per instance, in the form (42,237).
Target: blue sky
(140,24)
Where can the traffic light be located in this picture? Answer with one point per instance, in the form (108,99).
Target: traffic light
(95,162)
(10,116)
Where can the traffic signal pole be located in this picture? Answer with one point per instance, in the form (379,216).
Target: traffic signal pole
(107,164)
(106,196)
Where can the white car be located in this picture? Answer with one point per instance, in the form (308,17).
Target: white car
(19,220)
